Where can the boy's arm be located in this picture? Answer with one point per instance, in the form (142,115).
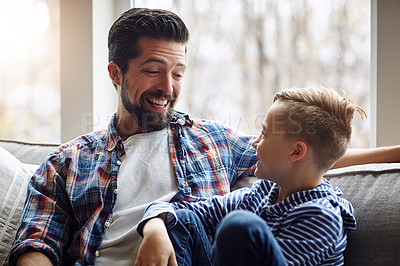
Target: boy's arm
(210,210)
(373,155)
(156,247)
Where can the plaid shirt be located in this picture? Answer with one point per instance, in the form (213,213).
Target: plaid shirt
(71,196)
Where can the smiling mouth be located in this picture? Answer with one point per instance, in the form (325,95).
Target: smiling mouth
(159,103)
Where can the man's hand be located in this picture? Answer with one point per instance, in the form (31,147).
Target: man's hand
(156,247)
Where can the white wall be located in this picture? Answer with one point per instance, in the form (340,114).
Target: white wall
(88,98)
(385,72)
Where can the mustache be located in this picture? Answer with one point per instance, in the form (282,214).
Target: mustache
(160,95)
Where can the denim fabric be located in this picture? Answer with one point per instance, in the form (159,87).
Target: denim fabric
(243,238)
(190,241)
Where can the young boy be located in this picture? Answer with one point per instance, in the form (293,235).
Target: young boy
(295,217)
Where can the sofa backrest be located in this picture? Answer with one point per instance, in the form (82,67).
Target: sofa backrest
(374,191)
(27,152)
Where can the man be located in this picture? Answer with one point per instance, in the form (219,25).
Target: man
(85,200)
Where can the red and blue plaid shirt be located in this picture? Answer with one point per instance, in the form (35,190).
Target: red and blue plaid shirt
(71,196)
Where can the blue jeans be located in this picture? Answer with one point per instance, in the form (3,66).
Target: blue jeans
(190,241)
(242,238)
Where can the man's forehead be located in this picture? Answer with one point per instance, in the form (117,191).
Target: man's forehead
(152,45)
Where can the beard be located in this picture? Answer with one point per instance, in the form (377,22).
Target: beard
(148,121)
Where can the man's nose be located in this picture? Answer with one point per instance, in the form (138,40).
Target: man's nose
(166,84)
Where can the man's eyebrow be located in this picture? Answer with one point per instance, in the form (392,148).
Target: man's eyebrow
(156,60)
(153,60)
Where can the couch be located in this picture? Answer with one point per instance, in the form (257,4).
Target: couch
(373,189)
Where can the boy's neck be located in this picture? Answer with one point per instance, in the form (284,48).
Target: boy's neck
(299,182)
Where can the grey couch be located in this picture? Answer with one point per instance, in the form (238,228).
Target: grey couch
(373,189)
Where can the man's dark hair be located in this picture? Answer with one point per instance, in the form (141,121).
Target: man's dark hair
(135,23)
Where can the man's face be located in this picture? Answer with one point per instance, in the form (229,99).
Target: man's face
(152,83)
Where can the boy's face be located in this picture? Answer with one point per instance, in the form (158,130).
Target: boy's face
(273,148)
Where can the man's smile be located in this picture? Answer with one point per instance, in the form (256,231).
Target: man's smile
(159,103)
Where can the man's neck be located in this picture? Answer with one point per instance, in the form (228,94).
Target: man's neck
(127,127)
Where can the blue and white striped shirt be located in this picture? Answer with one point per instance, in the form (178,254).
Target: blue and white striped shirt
(310,226)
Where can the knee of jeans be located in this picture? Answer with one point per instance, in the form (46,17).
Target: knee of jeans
(187,216)
(239,224)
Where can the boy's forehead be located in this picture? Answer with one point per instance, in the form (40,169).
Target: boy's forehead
(275,116)
(276,111)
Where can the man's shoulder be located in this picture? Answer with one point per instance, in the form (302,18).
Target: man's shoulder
(89,140)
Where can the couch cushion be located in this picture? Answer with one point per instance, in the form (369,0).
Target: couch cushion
(27,152)
(13,182)
(373,189)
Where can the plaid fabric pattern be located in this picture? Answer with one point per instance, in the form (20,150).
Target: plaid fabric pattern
(71,196)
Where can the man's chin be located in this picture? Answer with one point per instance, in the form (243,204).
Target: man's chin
(153,121)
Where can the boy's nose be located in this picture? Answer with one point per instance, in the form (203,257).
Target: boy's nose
(255,142)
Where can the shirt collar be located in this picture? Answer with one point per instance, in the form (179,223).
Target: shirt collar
(181,119)
(114,139)
(113,136)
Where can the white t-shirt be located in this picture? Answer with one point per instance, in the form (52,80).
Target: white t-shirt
(146,174)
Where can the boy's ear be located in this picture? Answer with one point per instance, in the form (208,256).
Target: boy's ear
(115,73)
(300,149)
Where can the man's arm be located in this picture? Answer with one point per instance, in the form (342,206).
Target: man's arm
(33,258)
(374,155)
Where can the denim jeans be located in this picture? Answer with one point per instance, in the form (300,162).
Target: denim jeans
(190,241)
(242,238)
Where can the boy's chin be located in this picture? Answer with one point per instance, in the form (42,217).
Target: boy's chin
(259,175)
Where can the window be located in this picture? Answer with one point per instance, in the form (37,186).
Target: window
(29,67)
(30,110)
(242,52)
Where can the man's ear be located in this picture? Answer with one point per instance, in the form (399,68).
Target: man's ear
(115,73)
(300,149)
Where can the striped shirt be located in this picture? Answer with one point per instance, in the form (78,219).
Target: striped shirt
(71,196)
(311,226)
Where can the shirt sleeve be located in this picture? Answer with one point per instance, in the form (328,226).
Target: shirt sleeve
(45,224)
(242,152)
(310,234)
(211,210)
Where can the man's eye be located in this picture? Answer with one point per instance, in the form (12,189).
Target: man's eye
(178,75)
(152,72)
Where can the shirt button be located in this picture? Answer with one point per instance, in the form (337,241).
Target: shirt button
(119,162)
(97,253)
(107,224)
(115,191)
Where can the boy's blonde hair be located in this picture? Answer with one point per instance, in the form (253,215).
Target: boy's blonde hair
(320,117)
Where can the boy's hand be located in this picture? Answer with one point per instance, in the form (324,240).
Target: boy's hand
(156,247)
